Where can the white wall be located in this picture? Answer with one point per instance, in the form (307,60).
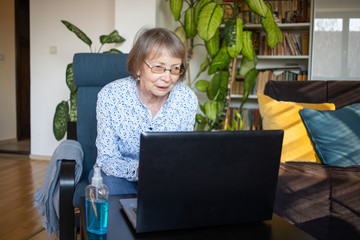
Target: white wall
(7,71)
(131,16)
(48,87)
(94,17)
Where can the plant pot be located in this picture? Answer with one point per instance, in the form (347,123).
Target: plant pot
(71,131)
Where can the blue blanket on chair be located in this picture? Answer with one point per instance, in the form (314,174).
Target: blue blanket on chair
(47,197)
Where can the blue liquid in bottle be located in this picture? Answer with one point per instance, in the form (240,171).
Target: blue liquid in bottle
(97,216)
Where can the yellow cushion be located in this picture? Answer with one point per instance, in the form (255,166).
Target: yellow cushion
(297,145)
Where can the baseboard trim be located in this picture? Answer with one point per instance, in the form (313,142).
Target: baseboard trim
(39,157)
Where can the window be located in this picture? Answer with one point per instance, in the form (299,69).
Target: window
(336,40)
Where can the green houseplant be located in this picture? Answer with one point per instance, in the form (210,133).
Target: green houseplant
(223,43)
(65,113)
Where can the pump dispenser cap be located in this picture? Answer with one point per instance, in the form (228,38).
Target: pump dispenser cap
(97,179)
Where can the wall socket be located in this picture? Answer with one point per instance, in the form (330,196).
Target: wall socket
(53,50)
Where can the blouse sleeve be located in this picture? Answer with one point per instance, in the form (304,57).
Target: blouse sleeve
(109,158)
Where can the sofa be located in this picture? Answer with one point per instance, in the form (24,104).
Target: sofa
(321,198)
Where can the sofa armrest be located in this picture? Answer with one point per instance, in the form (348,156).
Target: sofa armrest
(303,192)
(66,208)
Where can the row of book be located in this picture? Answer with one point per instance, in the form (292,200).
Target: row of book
(294,44)
(244,13)
(251,119)
(263,77)
(284,11)
(291,11)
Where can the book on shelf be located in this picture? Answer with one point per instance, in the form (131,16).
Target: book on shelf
(303,11)
(284,11)
(284,75)
(238,86)
(294,44)
(305,43)
(264,76)
(291,11)
(251,119)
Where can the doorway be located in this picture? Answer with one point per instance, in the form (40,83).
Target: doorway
(22,53)
(22,68)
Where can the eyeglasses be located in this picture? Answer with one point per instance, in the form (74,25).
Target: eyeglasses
(159,70)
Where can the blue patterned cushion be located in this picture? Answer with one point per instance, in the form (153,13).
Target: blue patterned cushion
(335,134)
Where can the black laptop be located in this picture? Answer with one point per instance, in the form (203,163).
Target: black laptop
(198,179)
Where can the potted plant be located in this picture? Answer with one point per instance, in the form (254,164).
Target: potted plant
(224,38)
(65,116)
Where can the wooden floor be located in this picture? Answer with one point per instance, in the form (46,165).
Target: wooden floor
(19,180)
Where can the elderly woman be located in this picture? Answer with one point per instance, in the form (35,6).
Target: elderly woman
(153,98)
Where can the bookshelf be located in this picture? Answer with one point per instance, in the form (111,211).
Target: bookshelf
(289,61)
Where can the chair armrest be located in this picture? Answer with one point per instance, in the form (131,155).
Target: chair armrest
(66,208)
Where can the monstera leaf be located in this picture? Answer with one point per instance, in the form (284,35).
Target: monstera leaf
(257,6)
(113,37)
(176,6)
(80,34)
(233,36)
(203,67)
(73,93)
(190,24)
(211,110)
(202,85)
(180,32)
(272,30)
(248,49)
(60,120)
(198,7)
(212,46)
(209,20)
(201,122)
(247,65)
(70,78)
(249,84)
(113,50)
(220,61)
(218,86)
(73,107)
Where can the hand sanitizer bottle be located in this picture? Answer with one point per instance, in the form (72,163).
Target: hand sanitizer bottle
(97,204)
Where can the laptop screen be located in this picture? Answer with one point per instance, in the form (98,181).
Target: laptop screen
(193,179)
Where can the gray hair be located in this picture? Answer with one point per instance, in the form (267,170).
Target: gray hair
(155,41)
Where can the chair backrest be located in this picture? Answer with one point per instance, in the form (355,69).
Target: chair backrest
(91,72)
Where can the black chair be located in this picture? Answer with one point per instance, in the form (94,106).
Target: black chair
(91,72)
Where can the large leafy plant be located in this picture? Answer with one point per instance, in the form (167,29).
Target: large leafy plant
(65,113)
(224,43)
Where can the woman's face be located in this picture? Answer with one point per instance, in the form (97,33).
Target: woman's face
(156,86)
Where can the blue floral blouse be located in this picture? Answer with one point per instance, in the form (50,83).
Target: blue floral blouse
(121,117)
